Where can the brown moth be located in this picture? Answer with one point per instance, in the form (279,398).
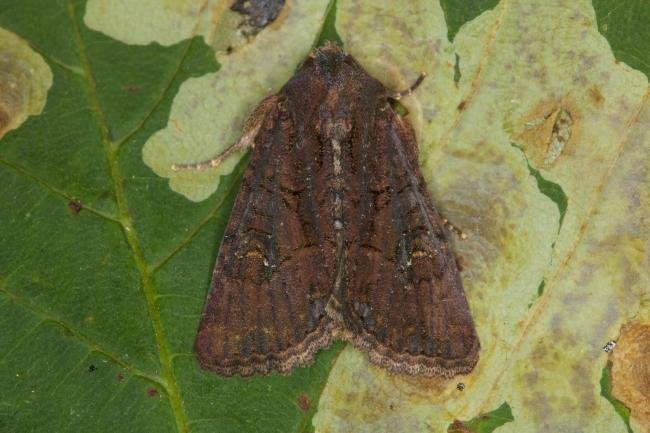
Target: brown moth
(333,235)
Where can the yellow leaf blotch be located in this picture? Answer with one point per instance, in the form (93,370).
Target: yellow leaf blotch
(25,79)
(209,112)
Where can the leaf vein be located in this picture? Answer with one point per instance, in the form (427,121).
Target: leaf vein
(148,289)
(46,316)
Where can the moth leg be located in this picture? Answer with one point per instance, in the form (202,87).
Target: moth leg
(399,95)
(452,228)
(247,140)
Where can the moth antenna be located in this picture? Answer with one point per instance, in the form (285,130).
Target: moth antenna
(252,127)
(241,144)
(399,95)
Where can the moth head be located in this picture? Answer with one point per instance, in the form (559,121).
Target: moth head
(328,58)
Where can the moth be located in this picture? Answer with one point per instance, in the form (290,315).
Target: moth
(333,235)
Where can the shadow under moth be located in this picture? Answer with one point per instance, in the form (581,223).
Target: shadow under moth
(333,235)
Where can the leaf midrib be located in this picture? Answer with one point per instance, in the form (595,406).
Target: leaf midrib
(168,380)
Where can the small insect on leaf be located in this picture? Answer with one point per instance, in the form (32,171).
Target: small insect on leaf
(75,207)
(609,346)
(333,235)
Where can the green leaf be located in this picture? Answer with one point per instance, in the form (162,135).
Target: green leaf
(534,139)
(625,25)
(458,13)
(328,32)
(485,423)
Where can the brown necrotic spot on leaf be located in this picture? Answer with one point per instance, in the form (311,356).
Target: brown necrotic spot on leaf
(303,402)
(548,131)
(595,96)
(458,427)
(132,88)
(24,82)
(631,370)
(75,207)
(152,392)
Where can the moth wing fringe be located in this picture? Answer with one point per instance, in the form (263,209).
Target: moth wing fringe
(283,362)
(414,365)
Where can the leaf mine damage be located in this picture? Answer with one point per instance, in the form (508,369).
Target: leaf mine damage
(631,370)
(258,13)
(24,82)
(547,131)
(208,112)
(238,25)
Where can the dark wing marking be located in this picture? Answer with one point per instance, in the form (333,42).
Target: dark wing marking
(404,301)
(266,306)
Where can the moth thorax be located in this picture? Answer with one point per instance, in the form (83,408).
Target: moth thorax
(334,125)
